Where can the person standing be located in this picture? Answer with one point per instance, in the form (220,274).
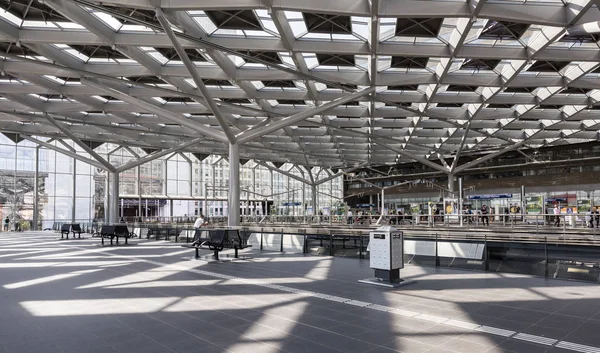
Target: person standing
(200,222)
(556,216)
(6,224)
(484,215)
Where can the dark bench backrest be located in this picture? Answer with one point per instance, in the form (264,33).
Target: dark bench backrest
(76,227)
(65,228)
(121,230)
(217,236)
(107,230)
(233,235)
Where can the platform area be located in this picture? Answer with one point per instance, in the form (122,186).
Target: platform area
(152,296)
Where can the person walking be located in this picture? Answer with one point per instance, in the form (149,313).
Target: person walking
(556,216)
(6,224)
(484,215)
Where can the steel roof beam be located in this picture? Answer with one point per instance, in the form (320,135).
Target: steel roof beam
(107,166)
(65,152)
(195,76)
(271,127)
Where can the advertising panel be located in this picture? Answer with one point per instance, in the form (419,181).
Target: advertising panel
(534,204)
(584,206)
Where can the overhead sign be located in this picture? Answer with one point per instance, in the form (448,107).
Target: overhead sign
(490,196)
(365,205)
(292,203)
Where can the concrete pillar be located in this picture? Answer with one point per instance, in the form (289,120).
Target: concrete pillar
(523,203)
(36,189)
(233,198)
(107,206)
(114,199)
(460,199)
(451,184)
(383,202)
(139,186)
(74,198)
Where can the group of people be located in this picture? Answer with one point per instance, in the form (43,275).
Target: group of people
(593,215)
(483,213)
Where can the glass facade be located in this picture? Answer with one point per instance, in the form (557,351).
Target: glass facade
(172,186)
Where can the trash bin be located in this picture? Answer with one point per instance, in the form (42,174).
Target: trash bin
(386,246)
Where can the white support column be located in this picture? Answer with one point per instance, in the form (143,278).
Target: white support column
(113,200)
(233,199)
(451,184)
(523,203)
(383,202)
(139,185)
(36,189)
(313,189)
(74,197)
(460,199)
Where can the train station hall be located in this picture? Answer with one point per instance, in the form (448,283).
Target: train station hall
(299,176)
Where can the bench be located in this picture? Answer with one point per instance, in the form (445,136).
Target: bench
(116,231)
(67,228)
(163,231)
(219,239)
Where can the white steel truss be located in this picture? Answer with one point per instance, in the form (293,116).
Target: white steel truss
(334,84)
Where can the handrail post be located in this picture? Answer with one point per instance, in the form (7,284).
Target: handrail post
(360,252)
(281,242)
(330,243)
(546,257)
(262,234)
(486,266)
(437,258)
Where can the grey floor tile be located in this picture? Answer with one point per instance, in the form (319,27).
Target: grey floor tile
(516,346)
(409,345)
(464,346)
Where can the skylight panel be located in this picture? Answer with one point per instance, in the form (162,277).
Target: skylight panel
(77,54)
(240,23)
(10,17)
(38,24)
(108,19)
(155,55)
(135,28)
(55,79)
(100,98)
(69,25)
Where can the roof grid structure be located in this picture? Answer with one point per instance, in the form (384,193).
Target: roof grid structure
(418,27)
(330,24)
(32,11)
(234,19)
(447,77)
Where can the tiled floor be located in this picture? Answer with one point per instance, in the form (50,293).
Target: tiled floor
(74,296)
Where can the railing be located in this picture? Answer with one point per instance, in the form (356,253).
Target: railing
(574,258)
(544,224)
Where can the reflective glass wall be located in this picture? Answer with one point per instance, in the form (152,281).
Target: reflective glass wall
(180,184)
